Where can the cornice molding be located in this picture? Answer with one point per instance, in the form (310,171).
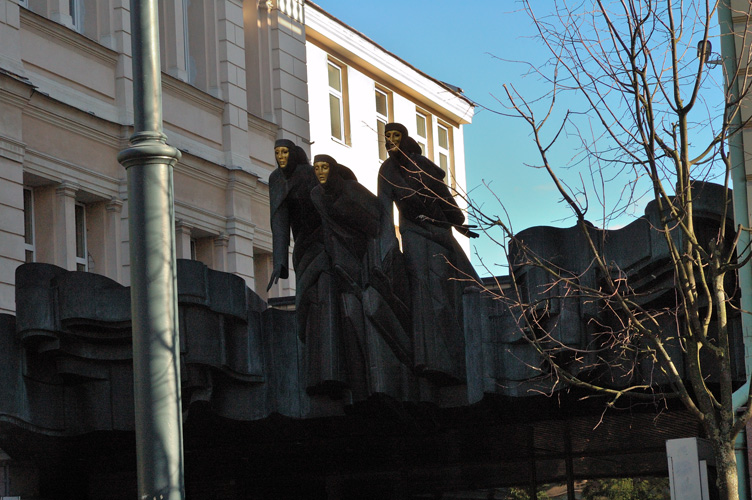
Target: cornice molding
(54,115)
(267,128)
(198,218)
(57,170)
(188,166)
(261,196)
(15,91)
(242,182)
(181,89)
(12,149)
(237,225)
(223,240)
(115,205)
(68,189)
(66,36)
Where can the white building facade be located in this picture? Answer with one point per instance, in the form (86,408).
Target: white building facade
(355,87)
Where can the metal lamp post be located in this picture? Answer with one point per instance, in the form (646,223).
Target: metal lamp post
(156,352)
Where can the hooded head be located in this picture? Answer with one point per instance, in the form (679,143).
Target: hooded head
(394,133)
(323,167)
(399,143)
(284,152)
(301,156)
(289,156)
(329,173)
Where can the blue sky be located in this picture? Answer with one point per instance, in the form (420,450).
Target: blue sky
(469,44)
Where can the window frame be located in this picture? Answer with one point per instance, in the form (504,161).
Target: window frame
(445,151)
(82,260)
(427,146)
(76,12)
(191,70)
(30,251)
(341,96)
(382,119)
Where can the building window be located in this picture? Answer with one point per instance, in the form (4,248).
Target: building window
(422,125)
(445,150)
(28,201)
(76,10)
(81,260)
(190,64)
(336,101)
(382,118)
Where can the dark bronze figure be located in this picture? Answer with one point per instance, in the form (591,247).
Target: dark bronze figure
(352,219)
(315,300)
(437,268)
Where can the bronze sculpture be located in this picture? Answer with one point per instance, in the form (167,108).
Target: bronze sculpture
(352,218)
(367,312)
(437,268)
(315,301)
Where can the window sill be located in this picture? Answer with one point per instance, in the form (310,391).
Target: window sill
(340,142)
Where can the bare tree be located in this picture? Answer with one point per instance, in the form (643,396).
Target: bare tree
(633,92)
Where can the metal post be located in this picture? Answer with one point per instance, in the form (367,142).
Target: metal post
(156,375)
(569,461)
(741,217)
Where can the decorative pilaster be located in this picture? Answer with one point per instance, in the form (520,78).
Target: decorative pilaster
(232,82)
(289,73)
(12,214)
(240,227)
(221,243)
(10,34)
(65,225)
(60,12)
(183,239)
(113,240)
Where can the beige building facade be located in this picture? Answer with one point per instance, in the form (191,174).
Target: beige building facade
(237,75)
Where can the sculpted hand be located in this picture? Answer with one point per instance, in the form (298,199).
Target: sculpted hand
(279,271)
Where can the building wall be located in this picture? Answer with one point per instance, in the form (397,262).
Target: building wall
(66,107)
(367,68)
(237,75)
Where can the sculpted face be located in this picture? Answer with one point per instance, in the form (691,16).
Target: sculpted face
(321,169)
(282,154)
(393,139)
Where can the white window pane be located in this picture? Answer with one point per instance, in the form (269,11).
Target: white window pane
(443,137)
(335,116)
(421,122)
(28,218)
(190,61)
(381,106)
(335,80)
(76,10)
(444,162)
(80,232)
